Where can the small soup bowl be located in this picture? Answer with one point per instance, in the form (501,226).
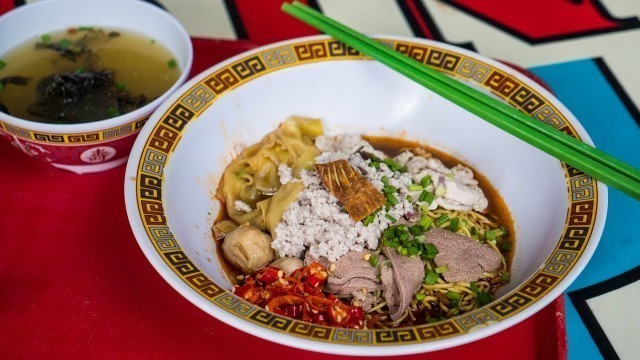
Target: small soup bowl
(103,144)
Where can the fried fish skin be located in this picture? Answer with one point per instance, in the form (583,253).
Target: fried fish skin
(358,196)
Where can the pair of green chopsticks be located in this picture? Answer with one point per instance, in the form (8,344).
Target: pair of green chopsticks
(574,152)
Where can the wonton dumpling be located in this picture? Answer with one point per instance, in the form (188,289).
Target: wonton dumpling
(252,176)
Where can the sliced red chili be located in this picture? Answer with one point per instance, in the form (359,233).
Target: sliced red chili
(287,305)
(318,303)
(319,318)
(269,275)
(338,313)
(356,317)
(299,296)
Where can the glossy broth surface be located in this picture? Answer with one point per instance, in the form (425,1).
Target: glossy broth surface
(84,74)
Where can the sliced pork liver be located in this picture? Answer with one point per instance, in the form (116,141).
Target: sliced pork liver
(400,281)
(353,273)
(465,258)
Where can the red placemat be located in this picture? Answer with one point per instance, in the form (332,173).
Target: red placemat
(74,284)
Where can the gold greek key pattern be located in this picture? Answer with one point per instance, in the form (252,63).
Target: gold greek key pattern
(539,284)
(75,139)
(437,331)
(582,188)
(395,336)
(473,70)
(510,305)
(278,57)
(561,262)
(352,336)
(582,191)
(153,162)
(311,51)
(418,53)
(263,317)
(235,304)
(338,48)
(198,98)
(468,321)
(310,330)
(548,115)
(163,238)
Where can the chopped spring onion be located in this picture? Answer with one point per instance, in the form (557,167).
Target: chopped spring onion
(45,38)
(373,260)
(391,218)
(440,220)
(506,245)
(85,28)
(483,298)
(369,219)
(420,297)
(452,295)
(385,180)
(505,277)
(425,181)
(113,111)
(389,190)
(427,197)
(79,70)
(440,190)
(393,201)
(431,251)
(453,225)
(409,198)
(493,234)
(416,230)
(442,269)
(63,44)
(121,86)
(474,287)
(431,278)
(425,221)
(390,243)
(394,166)
(388,233)
(413,251)
(450,176)
(415,188)
(172,64)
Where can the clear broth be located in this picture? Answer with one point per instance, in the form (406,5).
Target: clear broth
(140,67)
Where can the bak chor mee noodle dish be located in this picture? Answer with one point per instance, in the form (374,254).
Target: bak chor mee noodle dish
(359,232)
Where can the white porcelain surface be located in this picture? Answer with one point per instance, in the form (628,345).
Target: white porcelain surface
(361,97)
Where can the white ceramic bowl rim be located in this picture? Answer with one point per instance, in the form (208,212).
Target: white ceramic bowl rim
(208,306)
(141,8)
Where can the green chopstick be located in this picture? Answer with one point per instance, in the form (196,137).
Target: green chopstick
(517,115)
(562,146)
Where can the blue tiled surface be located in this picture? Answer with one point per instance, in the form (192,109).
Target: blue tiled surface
(581,86)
